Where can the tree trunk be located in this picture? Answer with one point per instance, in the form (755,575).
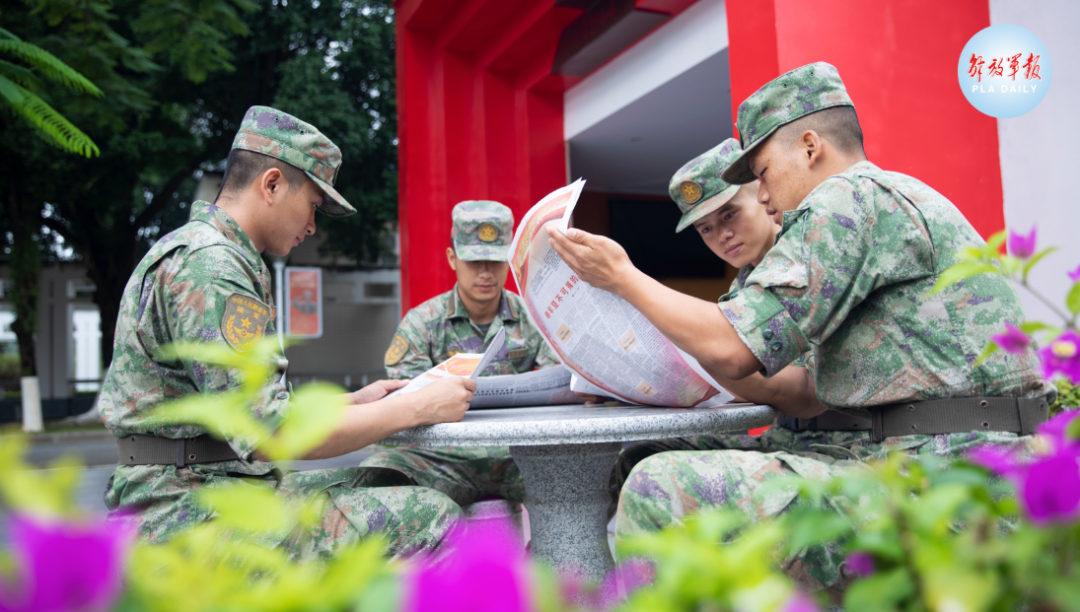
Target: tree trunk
(25,270)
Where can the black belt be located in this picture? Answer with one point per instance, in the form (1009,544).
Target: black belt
(932,417)
(152,450)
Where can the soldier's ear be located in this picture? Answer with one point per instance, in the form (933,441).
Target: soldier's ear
(271,183)
(451,258)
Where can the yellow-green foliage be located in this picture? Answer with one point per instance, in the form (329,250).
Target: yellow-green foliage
(1068,397)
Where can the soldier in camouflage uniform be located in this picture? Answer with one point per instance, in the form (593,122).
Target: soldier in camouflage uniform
(207,282)
(848,280)
(740,232)
(465,320)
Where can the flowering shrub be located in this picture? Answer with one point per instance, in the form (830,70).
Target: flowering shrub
(999,531)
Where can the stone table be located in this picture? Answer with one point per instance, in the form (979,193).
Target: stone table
(566,454)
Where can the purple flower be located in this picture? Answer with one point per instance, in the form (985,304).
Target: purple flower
(1062,355)
(619,584)
(1053,431)
(1049,485)
(799,602)
(861,563)
(1022,246)
(66,566)
(1074,276)
(482,569)
(1013,341)
(1051,489)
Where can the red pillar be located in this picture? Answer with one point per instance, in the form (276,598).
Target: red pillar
(898,60)
(479,117)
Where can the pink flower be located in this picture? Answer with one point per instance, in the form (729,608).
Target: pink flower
(800,602)
(1049,485)
(1013,341)
(1062,355)
(1074,276)
(861,563)
(66,566)
(1022,246)
(482,569)
(620,582)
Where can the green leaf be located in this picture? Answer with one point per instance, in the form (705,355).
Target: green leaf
(1072,300)
(55,125)
(815,527)
(247,508)
(994,243)
(990,348)
(880,592)
(50,66)
(315,413)
(1035,259)
(958,272)
(1031,327)
(225,415)
(22,76)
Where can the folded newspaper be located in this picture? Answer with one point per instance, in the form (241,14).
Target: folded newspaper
(540,388)
(597,334)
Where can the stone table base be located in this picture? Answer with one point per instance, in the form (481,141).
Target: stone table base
(566,493)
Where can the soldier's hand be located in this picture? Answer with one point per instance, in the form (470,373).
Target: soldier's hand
(444,401)
(598,260)
(375,391)
(590,399)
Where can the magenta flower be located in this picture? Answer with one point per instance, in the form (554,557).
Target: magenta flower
(1049,485)
(1022,246)
(66,566)
(861,563)
(481,569)
(1013,341)
(1074,276)
(1062,355)
(800,602)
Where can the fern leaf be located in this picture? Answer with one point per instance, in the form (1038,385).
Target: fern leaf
(19,74)
(8,35)
(50,66)
(55,125)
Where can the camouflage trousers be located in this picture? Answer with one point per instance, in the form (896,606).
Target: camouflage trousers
(465,475)
(663,481)
(410,518)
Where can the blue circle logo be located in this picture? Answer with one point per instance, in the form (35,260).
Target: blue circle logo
(1004,71)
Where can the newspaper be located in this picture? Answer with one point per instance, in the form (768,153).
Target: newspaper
(597,334)
(466,365)
(546,387)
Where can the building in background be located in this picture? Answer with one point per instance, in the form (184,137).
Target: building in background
(510,99)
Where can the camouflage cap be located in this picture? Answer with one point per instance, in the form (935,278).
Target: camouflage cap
(697,187)
(482,230)
(298,143)
(782,100)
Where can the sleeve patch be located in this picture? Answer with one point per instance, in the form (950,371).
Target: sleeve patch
(244,321)
(397,350)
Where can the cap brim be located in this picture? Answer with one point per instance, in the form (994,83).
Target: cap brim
(482,252)
(333,204)
(706,207)
(739,172)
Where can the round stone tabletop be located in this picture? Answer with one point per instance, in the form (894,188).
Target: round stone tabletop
(580,424)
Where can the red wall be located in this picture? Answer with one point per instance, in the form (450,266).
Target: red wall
(898,59)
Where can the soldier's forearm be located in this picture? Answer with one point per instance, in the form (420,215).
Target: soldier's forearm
(696,326)
(366,424)
(790,391)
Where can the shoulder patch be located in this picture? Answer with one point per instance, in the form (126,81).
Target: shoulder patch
(244,321)
(397,350)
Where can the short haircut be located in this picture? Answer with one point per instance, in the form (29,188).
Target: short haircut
(839,125)
(245,166)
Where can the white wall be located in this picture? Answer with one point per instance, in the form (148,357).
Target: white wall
(1040,158)
(695,35)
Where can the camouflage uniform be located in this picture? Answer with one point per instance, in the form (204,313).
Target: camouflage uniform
(206,282)
(847,280)
(697,189)
(440,328)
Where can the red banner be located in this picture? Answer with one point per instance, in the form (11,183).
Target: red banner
(303,295)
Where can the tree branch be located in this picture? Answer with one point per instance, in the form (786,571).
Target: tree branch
(162,198)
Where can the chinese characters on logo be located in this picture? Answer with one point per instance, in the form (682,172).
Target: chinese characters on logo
(563,291)
(997,67)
